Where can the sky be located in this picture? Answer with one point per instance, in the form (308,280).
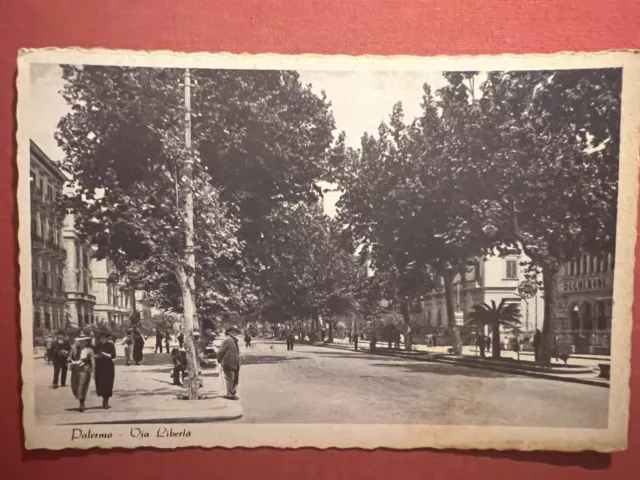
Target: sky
(360,100)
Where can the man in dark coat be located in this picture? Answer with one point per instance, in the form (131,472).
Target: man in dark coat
(138,345)
(290,339)
(59,354)
(480,342)
(180,338)
(229,359)
(537,340)
(104,368)
(158,340)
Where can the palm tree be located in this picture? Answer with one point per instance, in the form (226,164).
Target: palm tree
(507,315)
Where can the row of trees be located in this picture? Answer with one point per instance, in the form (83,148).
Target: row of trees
(527,161)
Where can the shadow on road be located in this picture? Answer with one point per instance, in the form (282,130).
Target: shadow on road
(352,356)
(442,369)
(267,359)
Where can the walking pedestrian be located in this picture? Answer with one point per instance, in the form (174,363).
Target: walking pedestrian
(82,365)
(59,355)
(167,341)
(355,341)
(48,343)
(247,340)
(105,371)
(434,339)
(488,343)
(159,340)
(127,341)
(180,338)
(138,345)
(537,340)
(229,358)
(179,359)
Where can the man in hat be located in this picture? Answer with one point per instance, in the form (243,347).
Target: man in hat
(229,358)
(59,353)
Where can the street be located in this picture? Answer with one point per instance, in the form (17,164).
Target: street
(313,384)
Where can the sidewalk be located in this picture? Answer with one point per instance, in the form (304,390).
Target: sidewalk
(142,394)
(586,372)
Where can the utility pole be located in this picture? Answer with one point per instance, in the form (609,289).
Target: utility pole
(187,274)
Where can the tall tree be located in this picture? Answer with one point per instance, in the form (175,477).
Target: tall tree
(552,147)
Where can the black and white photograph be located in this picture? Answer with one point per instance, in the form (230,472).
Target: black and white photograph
(290,251)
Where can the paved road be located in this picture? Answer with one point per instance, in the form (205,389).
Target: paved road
(319,385)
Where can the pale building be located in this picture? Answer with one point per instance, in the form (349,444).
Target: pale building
(47,251)
(114,303)
(585,303)
(77,278)
(491,278)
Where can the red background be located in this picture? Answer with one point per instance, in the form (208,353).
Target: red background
(415,27)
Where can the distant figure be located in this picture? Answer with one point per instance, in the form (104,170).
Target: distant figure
(247,340)
(488,343)
(59,353)
(180,338)
(167,341)
(105,371)
(289,336)
(355,341)
(229,358)
(48,343)
(92,335)
(480,342)
(159,340)
(537,340)
(138,345)
(516,347)
(349,337)
(434,339)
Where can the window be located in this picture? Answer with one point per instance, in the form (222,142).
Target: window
(512,269)
(49,192)
(40,186)
(596,264)
(36,278)
(60,286)
(45,284)
(36,319)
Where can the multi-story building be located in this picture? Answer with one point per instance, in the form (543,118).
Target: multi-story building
(47,251)
(585,303)
(491,278)
(77,278)
(114,303)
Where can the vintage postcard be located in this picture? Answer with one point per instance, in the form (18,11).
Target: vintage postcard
(326,251)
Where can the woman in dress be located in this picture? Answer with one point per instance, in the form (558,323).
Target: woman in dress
(138,345)
(105,371)
(128,347)
(81,359)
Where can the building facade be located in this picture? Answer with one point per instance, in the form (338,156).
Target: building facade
(47,249)
(114,304)
(491,278)
(585,304)
(77,279)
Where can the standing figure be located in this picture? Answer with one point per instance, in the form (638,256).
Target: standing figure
(127,341)
(247,340)
(92,336)
(167,341)
(179,359)
(59,354)
(105,371)
(159,339)
(355,341)
(480,342)
(48,343)
(289,339)
(537,340)
(434,339)
(138,345)
(229,358)
(82,365)
(180,338)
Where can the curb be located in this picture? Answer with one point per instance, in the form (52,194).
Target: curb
(525,373)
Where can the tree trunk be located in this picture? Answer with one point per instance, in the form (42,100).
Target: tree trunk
(495,341)
(550,283)
(451,318)
(404,309)
(330,334)
(186,274)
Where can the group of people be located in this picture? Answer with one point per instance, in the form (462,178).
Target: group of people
(166,339)
(89,356)
(133,343)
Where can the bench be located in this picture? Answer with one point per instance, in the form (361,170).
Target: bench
(605,370)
